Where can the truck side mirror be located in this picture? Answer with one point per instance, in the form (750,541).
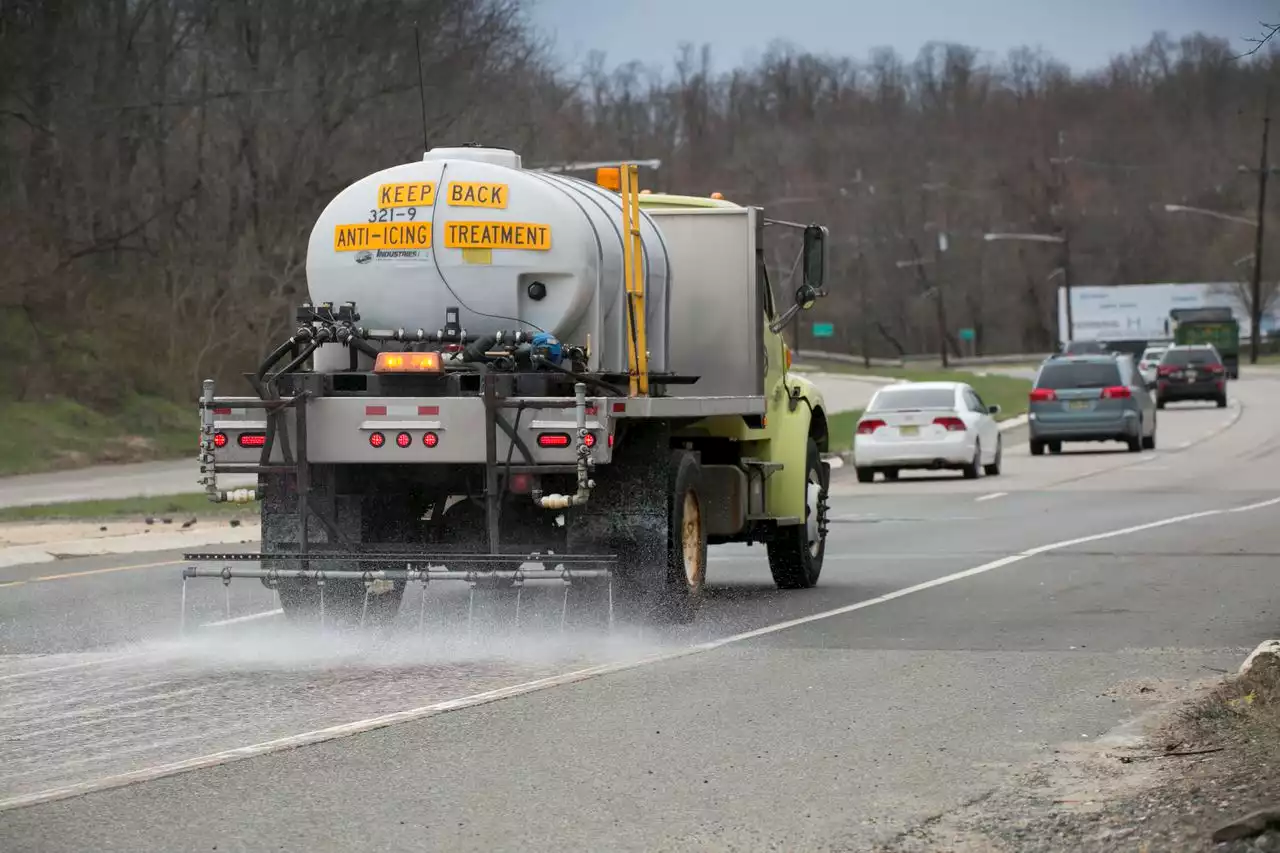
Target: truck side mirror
(815,258)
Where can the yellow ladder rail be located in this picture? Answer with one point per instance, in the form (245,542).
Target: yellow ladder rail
(633,276)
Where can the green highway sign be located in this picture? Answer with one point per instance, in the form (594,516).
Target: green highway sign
(966,334)
(824,330)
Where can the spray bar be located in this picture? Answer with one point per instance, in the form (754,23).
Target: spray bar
(425,575)
(401,557)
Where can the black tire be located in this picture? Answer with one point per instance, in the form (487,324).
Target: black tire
(1135,443)
(1037,447)
(1055,447)
(643,510)
(974,469)
(344,603)
(1222,402)
(794,560)
(993,470)
(890,473)
(1149,442)
(866,475)
(1159,403)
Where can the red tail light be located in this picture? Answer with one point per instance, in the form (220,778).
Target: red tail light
(430,439)
(219,439)
(1116,392)
(589,440)
(403,439)
(553,439)
(950,424)
(868,427)
(377,439)
(252,439)
(1043,395)
(1216,369)
(1166,370)
(222,411)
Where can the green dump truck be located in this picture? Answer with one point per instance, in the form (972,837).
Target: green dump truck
(1217,326)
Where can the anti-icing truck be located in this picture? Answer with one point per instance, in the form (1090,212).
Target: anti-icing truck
(504,376)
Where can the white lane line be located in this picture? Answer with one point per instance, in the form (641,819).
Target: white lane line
(147,774)
(235,620)
(990,497)
(81,665)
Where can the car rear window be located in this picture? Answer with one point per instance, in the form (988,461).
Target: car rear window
(913,398)
(1085,348)
(1085,374)
(1152,355)
(1183,357)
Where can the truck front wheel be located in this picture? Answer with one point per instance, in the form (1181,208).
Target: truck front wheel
(796,551)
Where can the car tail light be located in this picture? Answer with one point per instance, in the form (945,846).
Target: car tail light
(403,439)
(430,439)
(1043,395)
(377,439)
(219,439)
(1216,369)
(1166,370)
(553,439)
(1116,392)
(868,427)
(950,424)
(252,439)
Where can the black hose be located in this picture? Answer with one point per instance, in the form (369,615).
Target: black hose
(578,377)
(476,350)
(296,363)
(276,355)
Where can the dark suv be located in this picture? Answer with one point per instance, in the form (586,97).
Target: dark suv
(1191,372)
(1091,398)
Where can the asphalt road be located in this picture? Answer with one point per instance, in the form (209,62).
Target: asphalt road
(961,630)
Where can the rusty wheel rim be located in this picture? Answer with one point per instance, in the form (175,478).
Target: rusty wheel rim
(691,542)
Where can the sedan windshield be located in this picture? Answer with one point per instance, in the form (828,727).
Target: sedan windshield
(1081,374)
(900,399)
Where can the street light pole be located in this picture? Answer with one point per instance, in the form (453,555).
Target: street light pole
(1066,283)
(1255,307)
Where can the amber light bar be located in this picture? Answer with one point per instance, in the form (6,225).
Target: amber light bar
(407,362)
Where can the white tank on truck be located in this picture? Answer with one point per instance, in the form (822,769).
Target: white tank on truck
(512,249)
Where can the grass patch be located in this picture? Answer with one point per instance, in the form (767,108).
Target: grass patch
(840,428)
(62,434)
(177,507)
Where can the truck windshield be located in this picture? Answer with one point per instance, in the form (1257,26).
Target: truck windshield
(1184,357)
(1080,374)
(898,399)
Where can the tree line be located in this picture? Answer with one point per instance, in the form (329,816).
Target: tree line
(162,163)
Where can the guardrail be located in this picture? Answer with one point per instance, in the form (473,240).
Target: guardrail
(905,361)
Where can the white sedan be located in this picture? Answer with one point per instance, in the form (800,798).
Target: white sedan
(927,425)
(1150,361)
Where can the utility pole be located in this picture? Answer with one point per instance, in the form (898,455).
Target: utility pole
(1059,187)
(864,288)
(939,248)
(1255,300)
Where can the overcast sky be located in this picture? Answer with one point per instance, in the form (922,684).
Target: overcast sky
(1083,33)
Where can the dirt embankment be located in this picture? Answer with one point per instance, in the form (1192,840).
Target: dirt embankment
(1203,774)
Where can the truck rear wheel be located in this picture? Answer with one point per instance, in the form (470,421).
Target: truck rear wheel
(648,509)
(796,551)
(345,602)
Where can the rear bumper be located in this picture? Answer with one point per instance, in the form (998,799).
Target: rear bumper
(951,452)
(1085,428)
(1192,390)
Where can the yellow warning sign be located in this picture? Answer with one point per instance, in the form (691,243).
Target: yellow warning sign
(382,235)
(472,194)
(412,194)
(497,235)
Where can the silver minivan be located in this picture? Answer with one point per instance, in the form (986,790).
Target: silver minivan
(1091,398)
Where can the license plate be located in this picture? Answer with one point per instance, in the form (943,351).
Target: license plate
(909,430)
(1078,404)
(1191,377)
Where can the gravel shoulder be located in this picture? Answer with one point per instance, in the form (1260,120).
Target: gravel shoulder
(1200,773)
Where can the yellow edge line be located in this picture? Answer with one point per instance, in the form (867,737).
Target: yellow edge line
(87,572)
